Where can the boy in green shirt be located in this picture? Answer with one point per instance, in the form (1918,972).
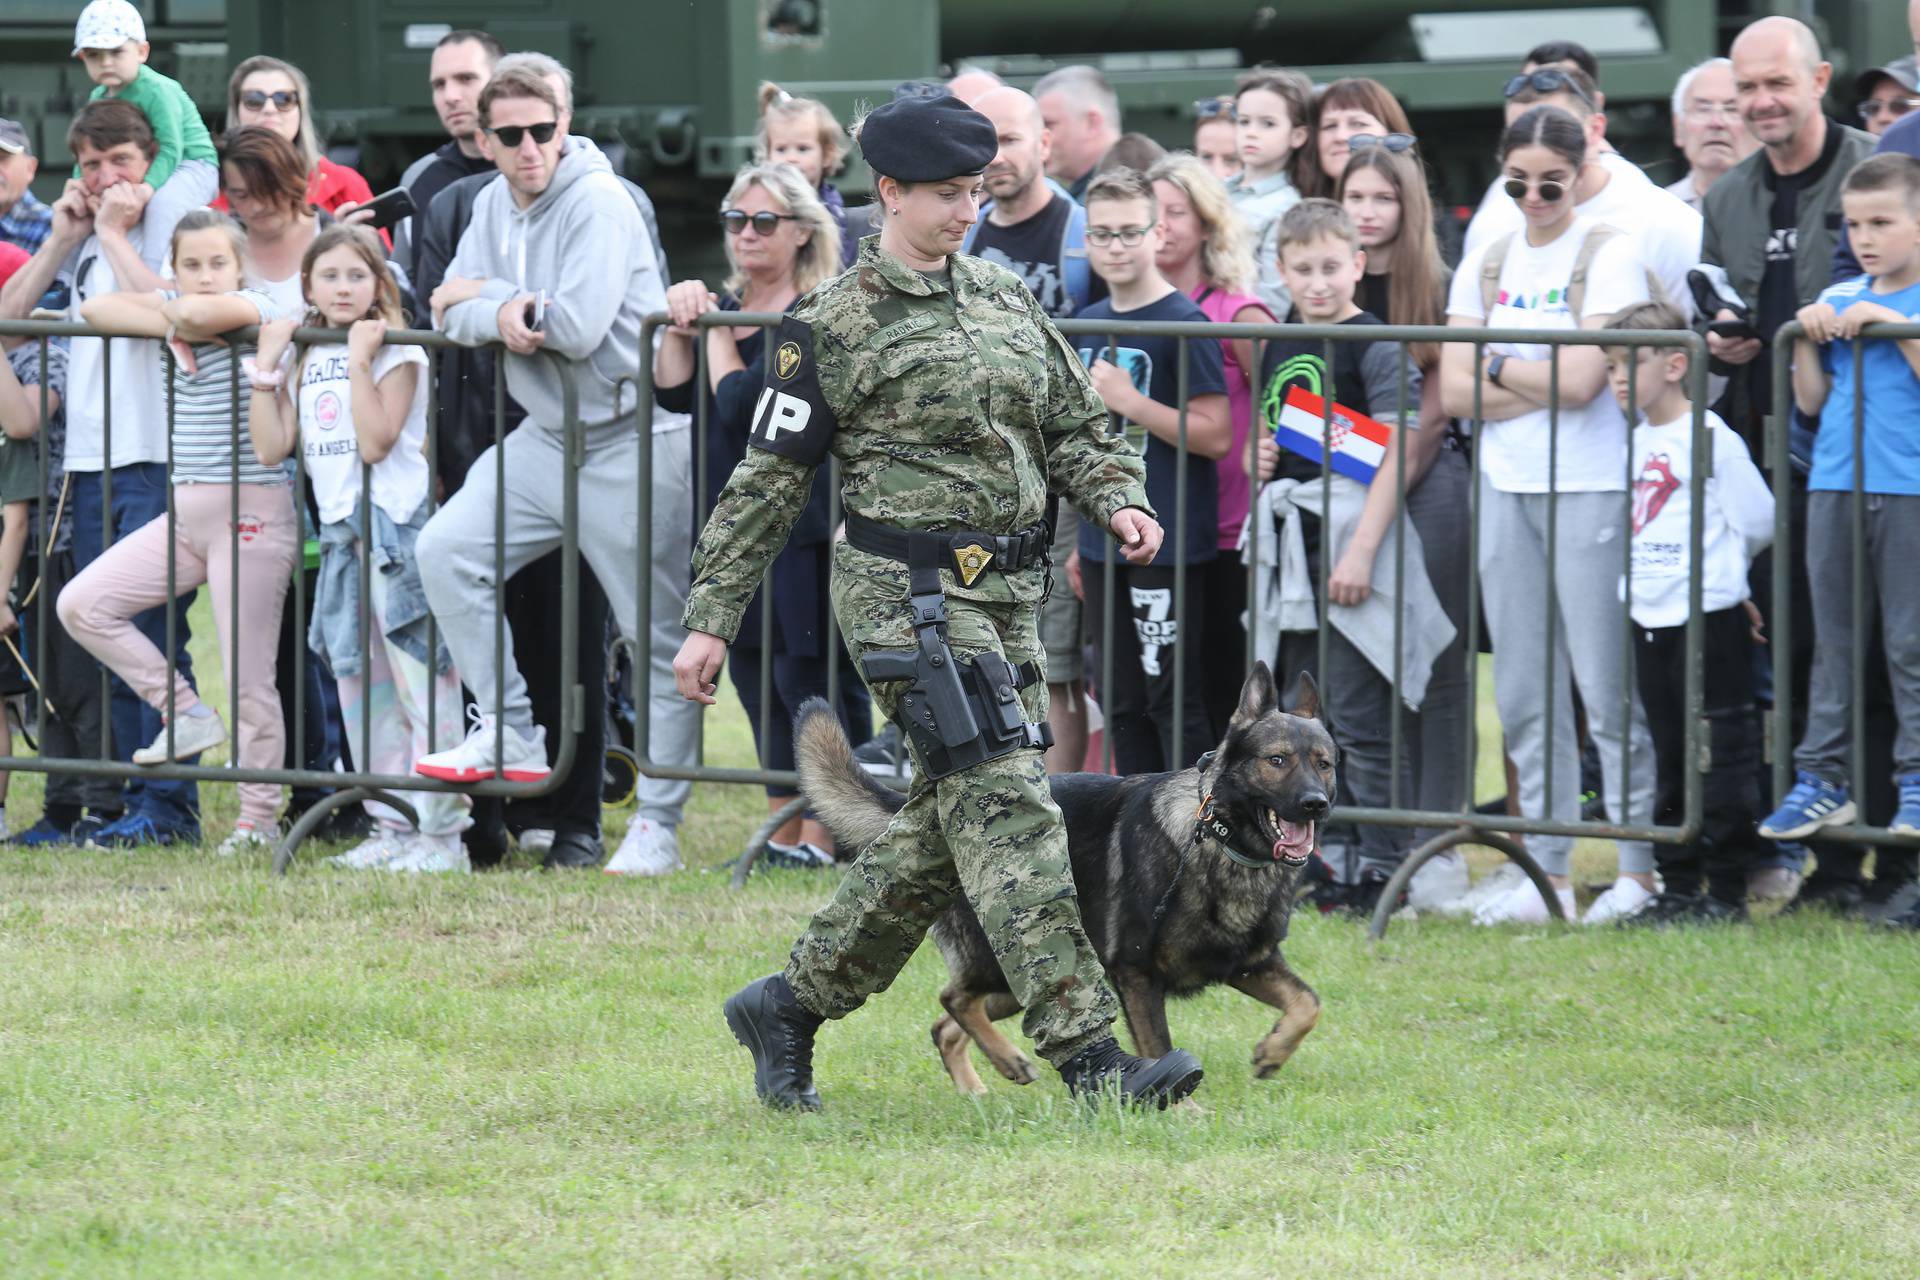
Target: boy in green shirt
(110,40)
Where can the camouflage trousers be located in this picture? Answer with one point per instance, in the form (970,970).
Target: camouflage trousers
(991,832)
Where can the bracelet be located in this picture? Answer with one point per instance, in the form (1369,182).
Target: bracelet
(262,381)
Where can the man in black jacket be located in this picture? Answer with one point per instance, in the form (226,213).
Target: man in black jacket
(462,62)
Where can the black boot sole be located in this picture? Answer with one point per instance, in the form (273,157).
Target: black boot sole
(746,1029)
(1173,1077)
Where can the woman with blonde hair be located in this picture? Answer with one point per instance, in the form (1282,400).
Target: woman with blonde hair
(273,94)
(804,133)
(1207,252)
(781,243)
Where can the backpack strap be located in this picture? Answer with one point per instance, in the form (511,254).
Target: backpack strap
(1597,238)
(1490,267)
(1076,272)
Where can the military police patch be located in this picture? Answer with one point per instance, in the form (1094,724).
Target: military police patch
(792,418)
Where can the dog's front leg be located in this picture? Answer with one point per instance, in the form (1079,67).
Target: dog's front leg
(1275,984)
(1144,1002)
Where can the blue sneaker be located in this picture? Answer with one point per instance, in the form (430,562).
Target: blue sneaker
(43,835)
(1811,805)
(137,829)
(1907,821)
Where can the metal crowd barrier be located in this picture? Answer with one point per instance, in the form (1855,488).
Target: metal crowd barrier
(1789,687)
(347,787)
(1453,826)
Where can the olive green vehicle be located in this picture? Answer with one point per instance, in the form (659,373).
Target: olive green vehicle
(667,86)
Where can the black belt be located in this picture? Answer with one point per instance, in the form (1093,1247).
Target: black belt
(967,554)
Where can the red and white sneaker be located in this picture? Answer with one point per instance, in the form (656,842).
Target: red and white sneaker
(521,759)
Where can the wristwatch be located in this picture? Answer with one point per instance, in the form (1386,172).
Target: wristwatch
(1495,362)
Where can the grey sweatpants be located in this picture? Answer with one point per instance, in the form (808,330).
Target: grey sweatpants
(1590,634)
(1892,528)
(457,568)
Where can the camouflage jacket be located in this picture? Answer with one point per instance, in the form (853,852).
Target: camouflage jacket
(948,406)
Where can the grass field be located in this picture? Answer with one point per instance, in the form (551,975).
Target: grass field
(205,1071)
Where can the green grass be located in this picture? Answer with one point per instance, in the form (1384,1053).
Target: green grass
(205,1071)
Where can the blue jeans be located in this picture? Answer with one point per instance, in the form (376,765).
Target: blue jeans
(139,495)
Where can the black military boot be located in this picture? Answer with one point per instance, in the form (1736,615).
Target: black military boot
(778,1030)
(1141,1081)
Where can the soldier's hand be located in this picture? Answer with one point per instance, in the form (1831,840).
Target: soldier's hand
(696,668)
(1140,535)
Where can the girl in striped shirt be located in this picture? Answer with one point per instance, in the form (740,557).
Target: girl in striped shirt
(233,521)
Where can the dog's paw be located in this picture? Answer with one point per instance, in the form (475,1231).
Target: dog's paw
(1021,1070)
(1266,1063)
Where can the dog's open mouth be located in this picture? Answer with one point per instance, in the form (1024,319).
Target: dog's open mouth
(1292,841)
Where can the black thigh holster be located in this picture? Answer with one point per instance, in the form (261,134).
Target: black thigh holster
(958,711)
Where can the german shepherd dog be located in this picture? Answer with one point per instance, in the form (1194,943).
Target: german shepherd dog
(1185,879)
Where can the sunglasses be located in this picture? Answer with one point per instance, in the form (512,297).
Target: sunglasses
(764,223)
(1213,108)
(1128,236)
(1394,142)
(1895,107)
(511,134)
(282,99)
(1546,80)
(1551,192)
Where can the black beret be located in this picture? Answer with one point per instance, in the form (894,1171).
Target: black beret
(927,139)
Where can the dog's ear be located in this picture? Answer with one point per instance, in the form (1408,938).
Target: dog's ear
(1257,695)
(1306,697)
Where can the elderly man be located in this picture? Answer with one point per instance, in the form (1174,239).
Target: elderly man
(1707,128)
(24,220)
(1082,115)
(1771,225)
(973,83)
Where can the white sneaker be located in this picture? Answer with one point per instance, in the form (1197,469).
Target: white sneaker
(524,759)
(244,838)
(536,841)
(378,849)
(1522,904)
(1494,884)
(191,736)
(648,849)
(1626,898)
(1441,885)
(432,854)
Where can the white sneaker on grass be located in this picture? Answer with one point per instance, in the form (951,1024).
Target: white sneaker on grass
(1626,897)
(535,841)
(378,849)
(433,854)
(1522,904)
(523,758)
(192,734)
(1496,883)
(244,838)
(1441,885)
(648,849)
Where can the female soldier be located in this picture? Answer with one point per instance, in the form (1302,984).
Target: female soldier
(952,406)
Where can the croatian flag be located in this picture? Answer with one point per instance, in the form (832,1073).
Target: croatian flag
(1359,443)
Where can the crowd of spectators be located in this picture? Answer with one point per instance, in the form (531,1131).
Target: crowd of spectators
(1297,203)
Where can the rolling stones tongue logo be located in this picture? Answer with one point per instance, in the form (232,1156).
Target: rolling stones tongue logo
(1651,491)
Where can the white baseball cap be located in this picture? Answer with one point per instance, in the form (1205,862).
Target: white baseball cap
(108,24)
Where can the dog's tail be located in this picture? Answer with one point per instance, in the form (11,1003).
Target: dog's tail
(854,807)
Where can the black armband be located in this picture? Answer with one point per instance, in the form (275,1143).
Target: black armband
(792,418)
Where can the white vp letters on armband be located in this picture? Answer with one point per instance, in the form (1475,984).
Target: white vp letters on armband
(778,412)
(791,418)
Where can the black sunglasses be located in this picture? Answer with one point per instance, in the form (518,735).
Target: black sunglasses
(1213,108)
(1395,142)
(511,134)
(764,223)
(1551,192)
(282,99)
(1547,80)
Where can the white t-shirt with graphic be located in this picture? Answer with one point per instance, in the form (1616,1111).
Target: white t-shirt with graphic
(1513,452)
(138,388)
(1737,523)
(331,452)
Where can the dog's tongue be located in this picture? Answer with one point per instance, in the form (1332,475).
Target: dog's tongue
(1295,842)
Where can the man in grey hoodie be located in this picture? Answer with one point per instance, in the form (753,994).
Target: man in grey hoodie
(556,261)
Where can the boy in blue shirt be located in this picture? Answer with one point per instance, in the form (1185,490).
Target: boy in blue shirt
(1881,199)
(1138,378)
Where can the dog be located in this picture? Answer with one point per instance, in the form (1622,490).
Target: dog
(1168,908)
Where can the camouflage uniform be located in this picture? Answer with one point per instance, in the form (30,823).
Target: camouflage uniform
(950,405)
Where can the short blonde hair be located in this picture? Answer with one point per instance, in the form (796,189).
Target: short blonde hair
(1226,261)
(777,104)
(819,258)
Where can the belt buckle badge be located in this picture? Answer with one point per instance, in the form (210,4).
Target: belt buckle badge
(971,561)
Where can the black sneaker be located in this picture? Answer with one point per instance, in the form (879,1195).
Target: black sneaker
(1907,920)
(1364,898)
(1670,909)
(1885,900)
(1837,896)
(1140,1081)
(885,754)
(778,1031)
(574,851)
